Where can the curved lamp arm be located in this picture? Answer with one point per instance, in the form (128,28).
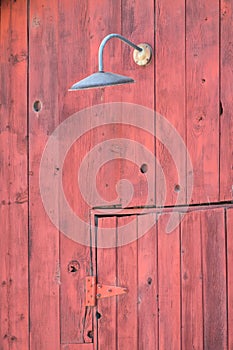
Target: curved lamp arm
(104,42)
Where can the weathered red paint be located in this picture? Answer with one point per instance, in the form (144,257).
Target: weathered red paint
(169,291)
(226,127)
(107,307)
(170,88)
(180,285)
(148,287)
(44,276)
(213,231)
(177,288)
(229,247)
(202,97)
(14,311)
(192,282)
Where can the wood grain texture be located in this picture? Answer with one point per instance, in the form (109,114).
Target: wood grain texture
(44,237)
(147,285)
(84,43)
(73,53)
(226,125)
(76,320)
(77,347)
(229,224)
(14,310)
(169,286)
(133,27)
(214,279)
(191,277)
(106,274)
(81,46)
(170,94)
(180,285)
(202,99)
(127,321)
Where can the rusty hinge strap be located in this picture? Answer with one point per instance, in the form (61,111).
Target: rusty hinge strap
(95,291)
(90,290)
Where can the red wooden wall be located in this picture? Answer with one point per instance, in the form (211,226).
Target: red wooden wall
(46,46)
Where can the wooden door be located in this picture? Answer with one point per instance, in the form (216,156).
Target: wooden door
(130,320)
(177,293)
(183,288)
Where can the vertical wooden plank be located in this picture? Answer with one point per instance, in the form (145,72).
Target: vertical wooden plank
(170,93)
(73,51)
(214,278)
(191,274)
(202,88)
(13,176)
(77,347)
(127,323)
(94,231)
(4,174)
(75,318)
(44,237)
(229,252)
(133,27)
(226,125)
(147,286)
(169,286)
(106,274)
(73,55)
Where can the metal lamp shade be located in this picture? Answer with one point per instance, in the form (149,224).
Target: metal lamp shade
(101,79)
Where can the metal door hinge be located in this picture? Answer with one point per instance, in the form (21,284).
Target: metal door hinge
(95,291)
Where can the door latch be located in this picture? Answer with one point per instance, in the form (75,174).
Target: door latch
(95,291)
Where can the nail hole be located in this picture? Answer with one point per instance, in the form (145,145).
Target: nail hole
(149,281)
(98,315)
(203,80)
(144,168)
(90,334)
(177,188)
(37,106)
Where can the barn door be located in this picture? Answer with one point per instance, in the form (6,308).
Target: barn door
(177,292)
